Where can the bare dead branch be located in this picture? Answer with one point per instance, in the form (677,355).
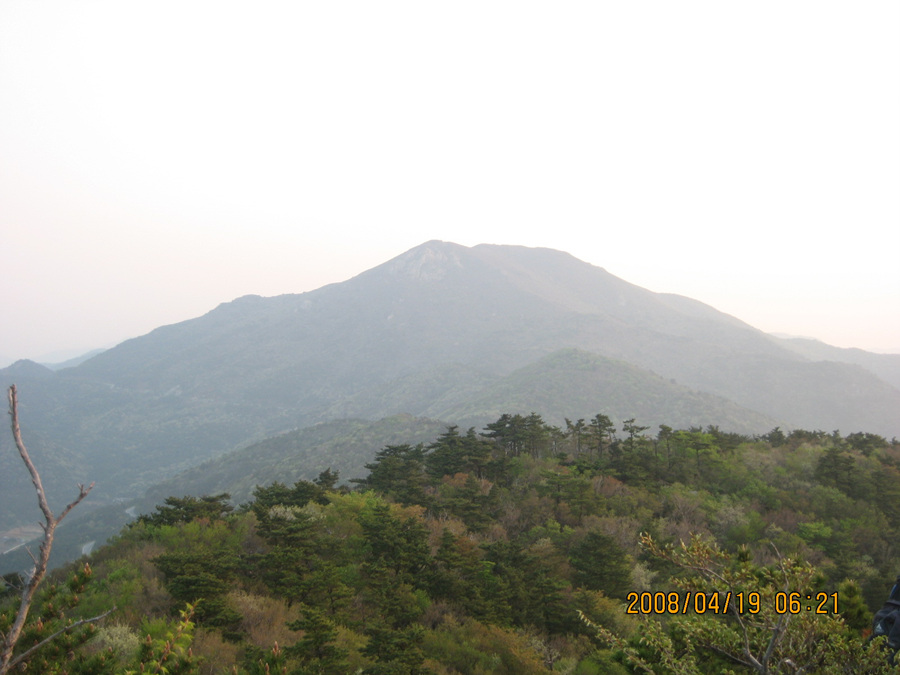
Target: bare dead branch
(28,652)
(82,493)
(49,527)
(23,453)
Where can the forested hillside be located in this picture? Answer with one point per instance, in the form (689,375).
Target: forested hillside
(443,331)
(517,548)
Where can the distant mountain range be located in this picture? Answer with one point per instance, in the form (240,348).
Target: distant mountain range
(442,331)
(57,360)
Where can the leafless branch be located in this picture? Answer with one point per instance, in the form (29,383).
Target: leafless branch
(49,527)
(28,652)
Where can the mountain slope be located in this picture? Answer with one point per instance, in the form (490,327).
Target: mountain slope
(885,366)
(344,446)
(434,331)
(574,382)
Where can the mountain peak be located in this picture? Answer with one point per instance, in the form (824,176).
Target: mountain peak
(430,261)
(27,368)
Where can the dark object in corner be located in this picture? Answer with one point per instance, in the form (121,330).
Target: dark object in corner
(887,622)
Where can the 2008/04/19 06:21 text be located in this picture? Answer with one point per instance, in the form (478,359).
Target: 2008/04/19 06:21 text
(721,603)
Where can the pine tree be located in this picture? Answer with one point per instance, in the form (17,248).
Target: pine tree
(601,565)
(316,650)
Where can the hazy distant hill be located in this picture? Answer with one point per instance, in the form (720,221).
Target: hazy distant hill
(343,445)
(575,383)
(74,361)
(442,330)
(885,366)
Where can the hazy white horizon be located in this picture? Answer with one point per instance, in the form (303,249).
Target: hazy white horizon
(159,159)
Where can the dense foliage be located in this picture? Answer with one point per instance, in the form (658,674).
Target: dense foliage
(513,550)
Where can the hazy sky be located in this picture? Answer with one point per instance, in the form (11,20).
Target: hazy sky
(158,158)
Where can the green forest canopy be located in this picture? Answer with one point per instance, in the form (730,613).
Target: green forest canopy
(510,550)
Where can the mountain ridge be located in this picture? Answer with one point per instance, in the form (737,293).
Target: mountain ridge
(425,333)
